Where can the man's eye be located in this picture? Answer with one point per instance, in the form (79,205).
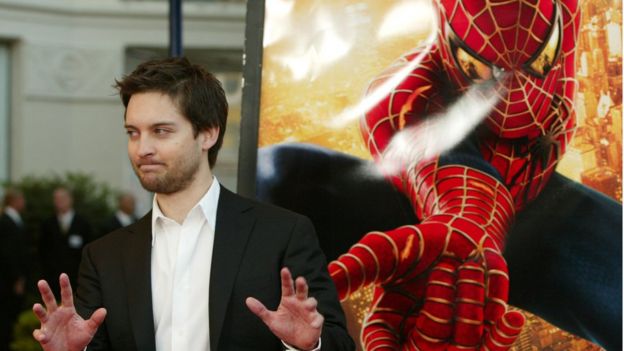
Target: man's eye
(541,64)
(131,133)
(472,67)
(161,131)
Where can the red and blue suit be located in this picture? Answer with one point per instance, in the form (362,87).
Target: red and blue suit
(491,222)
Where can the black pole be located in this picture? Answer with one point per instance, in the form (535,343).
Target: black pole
(175,28)
(250,114)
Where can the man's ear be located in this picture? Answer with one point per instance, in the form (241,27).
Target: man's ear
(209,137)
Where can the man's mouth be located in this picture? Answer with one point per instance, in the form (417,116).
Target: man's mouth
(150,166)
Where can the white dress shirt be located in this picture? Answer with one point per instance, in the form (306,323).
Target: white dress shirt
(181,261)
(65,221)
(14,215)
(123,218)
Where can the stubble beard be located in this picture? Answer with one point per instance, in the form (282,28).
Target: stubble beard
(174,179)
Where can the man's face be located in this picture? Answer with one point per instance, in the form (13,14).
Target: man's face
(162,147)
(126,204)
(18,203)
(63,201)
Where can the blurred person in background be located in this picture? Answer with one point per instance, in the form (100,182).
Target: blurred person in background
(62,237)
(123,217)
(15,261)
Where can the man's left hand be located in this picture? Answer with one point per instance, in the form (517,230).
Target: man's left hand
(296,320)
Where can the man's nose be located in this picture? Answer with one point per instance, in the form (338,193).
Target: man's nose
(145,146)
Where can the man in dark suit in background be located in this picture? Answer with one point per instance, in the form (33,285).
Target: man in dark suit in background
(180,278)
(123,217)
(62,238)
(15,261)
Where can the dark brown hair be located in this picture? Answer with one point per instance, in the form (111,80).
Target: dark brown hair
(196,92)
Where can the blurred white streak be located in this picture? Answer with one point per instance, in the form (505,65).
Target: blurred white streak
(276,24)
(300,65)
(314,50)
(330,43)
(332,47)
(407,17)
(369,101)
(441,132)
(308,41)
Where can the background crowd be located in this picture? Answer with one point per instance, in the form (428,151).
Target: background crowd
(44,224)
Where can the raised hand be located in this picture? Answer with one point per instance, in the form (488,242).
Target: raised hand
(453,316)
(296,320)
(62,329)
(444,303)
(442,282)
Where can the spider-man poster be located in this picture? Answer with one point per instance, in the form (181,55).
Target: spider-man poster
(461,161)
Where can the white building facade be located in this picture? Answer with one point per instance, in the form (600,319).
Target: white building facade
(58,62)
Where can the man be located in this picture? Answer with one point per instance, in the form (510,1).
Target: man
(14,262)
(180,278)
(63,236)
(124,216)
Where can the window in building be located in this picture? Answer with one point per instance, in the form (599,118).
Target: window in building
(5,97)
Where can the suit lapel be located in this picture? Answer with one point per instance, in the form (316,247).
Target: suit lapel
(14,226)
(234,224)
(117,223)
(137,275)
(72,225)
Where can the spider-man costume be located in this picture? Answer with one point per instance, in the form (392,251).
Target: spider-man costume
(440,278)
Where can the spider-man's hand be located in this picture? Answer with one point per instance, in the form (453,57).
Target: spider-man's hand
(435,283)
(443,283)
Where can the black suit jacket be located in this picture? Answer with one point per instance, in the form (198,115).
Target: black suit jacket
(58,255)
(14,249)
(252,242)
(15,254)
(15,262)
(111,224)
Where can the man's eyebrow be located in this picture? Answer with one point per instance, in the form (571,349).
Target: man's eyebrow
(162,124)
(159,124)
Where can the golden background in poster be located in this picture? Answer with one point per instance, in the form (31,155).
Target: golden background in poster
(320,55)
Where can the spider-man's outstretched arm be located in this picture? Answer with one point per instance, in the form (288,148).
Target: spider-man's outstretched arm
(443,282)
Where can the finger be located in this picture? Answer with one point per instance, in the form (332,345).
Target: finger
(257,308)
(310,304)
(288,288)
(317,321)
(47,296)
(341,276)
(302,288)
(40,336)
(469,304)
(40,312)
(310,314)
(461,348)
(435,320)
(505,332)
(67,298)
(497,282)
(97,318)
(378,333)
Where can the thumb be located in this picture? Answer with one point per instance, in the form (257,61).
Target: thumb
(40,336)
(258,309)
(505,332)
(97,318)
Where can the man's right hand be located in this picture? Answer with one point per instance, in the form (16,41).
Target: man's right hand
(62,329)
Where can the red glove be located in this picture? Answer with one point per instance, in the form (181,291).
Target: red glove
(441,284)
